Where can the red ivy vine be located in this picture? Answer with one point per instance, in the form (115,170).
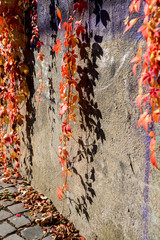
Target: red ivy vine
(148,56)
(14,71)
(68,93)
(13,85)
(13,75)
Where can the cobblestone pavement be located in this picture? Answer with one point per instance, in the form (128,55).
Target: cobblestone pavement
(15,223)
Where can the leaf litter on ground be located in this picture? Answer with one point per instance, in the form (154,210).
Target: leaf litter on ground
(42,211)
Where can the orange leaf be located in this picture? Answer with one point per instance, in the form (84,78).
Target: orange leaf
(146,121)
(152,144)
(153,159)
(142,117)
(59,14)
(138,101)
(130,24)
(144,30)
(66,187)
(57,47)
(151,134)
(135,68)
(60,192)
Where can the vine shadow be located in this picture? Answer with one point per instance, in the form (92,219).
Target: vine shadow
(54,30)
(30,116)
(90,114)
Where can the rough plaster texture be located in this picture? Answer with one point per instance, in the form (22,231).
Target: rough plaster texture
(114,192)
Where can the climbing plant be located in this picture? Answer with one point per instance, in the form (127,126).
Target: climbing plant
(148,58)
(13,85)
(14,71)
(68,93)
(13,76)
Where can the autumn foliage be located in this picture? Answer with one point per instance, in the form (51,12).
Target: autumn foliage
(14,71)
(13,86)
(68,93)
(148,57)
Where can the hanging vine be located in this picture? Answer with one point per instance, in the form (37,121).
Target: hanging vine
(13,74)
(13,85)
(68,93)
(148,56)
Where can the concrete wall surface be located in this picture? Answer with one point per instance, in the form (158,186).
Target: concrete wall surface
(113,192)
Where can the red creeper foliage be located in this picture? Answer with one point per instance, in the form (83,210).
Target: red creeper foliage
(148,57)
(13,86)
(13,73)
(68,93)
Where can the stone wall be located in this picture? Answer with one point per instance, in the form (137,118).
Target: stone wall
(113,190)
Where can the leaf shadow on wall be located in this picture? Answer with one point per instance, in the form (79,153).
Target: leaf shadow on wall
(53,21)
(54,28)
(30,105)
(90,115)
(30,108)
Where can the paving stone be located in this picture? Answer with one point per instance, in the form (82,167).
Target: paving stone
(17,208)
(38,215)
(26,214)
(8,190)
(35,232)
(47,238)
(6,185)
(4,214)
(6,203)
(14,237)
(5,229)
(19,221)
(11,189)
(20,181)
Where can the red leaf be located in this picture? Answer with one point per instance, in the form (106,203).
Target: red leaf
(18,215)
(80,6)
(39,73)
(80,29)
(1,21)
(17,164)
(39,44)
(63,109)
(40,56)
(68,128)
